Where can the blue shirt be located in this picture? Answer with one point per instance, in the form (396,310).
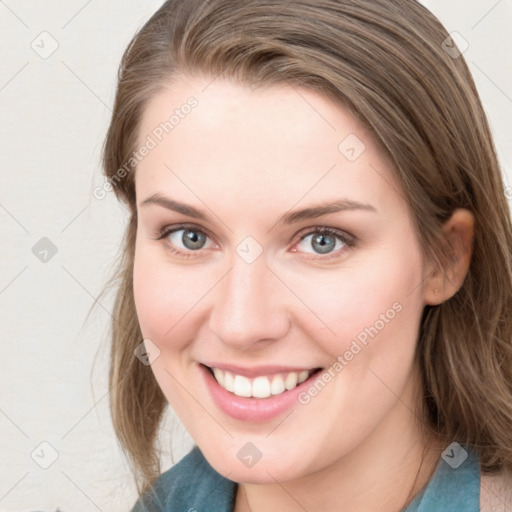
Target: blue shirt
(193,485)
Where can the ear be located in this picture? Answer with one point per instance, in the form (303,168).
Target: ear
(458,233)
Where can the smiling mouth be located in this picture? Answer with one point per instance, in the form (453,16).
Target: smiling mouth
(263,386)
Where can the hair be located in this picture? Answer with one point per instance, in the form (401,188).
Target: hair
(384,61)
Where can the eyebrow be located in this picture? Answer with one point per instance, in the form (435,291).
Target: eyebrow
(287,218)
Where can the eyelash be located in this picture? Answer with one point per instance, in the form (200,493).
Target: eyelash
(348,240)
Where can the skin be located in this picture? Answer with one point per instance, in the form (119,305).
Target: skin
(245,157)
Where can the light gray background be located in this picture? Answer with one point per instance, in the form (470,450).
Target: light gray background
(54,113)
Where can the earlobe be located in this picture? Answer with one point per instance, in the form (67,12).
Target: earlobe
(458,234)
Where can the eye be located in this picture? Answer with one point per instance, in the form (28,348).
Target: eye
(324,241)
(191,239)
(183,240)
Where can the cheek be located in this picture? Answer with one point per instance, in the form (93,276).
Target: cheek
(374,312)
(169,297)
(161,297)
(162,301)
(378,303)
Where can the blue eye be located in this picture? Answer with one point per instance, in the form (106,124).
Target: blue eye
(185,240)
(190,238)
(324,240)
(322,243)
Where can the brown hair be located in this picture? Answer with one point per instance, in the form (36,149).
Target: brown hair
(385,61)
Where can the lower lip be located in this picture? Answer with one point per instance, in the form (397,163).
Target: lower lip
(255,410)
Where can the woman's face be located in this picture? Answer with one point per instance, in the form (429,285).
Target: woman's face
(286,247)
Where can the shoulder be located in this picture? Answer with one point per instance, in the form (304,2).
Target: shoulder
(190,484)
(496,492)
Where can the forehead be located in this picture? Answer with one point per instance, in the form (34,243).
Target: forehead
(222,139)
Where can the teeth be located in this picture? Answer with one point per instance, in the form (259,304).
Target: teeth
(242,386)
(219,375)
(291,381)
(262,386)
(228,380)
(302,376)
(277,385)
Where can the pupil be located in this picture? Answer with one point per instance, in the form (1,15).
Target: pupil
(325,243)
(193,240)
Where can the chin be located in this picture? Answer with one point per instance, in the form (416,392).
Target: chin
(269,468)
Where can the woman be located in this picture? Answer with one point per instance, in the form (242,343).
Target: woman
(316,274)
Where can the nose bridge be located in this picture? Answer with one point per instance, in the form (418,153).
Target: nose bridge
(248,306)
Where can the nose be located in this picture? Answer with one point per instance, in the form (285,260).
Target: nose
(250,306)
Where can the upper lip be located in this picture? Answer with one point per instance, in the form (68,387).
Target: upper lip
(255,371)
